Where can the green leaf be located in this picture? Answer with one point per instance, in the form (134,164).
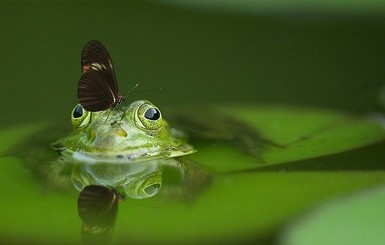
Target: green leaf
(354,219)
(305,133)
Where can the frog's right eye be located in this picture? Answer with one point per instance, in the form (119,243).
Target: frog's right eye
(144,186)
(80,117)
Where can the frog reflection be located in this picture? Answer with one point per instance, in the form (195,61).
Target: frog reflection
(136,180)
(102,186)
(140,180)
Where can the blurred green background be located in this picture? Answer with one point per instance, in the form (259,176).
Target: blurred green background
(198,52)
(312,53)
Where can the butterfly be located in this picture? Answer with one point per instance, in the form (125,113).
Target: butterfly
(98,208)
(97,87)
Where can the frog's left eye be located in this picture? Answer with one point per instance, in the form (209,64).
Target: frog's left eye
(80,117)
(149,116)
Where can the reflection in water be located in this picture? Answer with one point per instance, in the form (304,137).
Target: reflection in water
(102,186)
(137,180)
(97,208)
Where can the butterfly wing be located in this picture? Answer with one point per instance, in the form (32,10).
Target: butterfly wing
(97,208)
(95,58)
(93,92)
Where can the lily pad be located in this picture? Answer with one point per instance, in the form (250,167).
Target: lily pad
(353,219)
(302,132)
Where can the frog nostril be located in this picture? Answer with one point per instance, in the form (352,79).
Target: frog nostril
(121,132)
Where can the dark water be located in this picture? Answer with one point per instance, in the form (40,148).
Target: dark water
(196,58)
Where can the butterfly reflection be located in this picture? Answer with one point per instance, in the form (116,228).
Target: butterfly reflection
(97,208)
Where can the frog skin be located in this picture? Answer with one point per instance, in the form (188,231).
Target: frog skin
(132,133)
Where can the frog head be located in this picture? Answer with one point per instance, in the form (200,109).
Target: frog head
(136,132)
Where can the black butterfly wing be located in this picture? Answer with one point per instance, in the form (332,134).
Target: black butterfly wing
(93,92)
(97,208)
(95,57)
(98,205)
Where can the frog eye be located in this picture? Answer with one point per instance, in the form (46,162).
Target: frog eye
(80,117)
(152,114)
(149,116)
(144,187)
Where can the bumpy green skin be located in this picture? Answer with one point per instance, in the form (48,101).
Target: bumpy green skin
(122,134)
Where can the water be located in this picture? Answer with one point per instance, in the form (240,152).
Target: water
(195,58)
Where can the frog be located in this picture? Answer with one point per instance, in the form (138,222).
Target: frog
(136,132)
(118,153)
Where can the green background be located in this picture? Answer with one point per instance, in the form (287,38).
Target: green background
(287,54)
(231,53)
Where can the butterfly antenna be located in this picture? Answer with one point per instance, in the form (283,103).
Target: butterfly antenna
(129,91)
(139,92)
(148,90)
